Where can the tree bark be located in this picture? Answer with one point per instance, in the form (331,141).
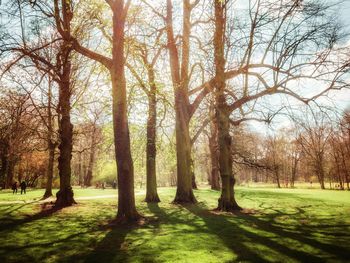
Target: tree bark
(227,200)
(50,166)
(193,176)
(51,146)
(65,194)
(125,168)
(184,192)
(88,177)
(320,176)
(4,161)
(214,154)
(151,151)
(294,171)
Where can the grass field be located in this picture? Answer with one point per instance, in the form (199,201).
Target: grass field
(278,225)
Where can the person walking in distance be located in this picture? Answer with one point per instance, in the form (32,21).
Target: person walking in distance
(23,187)
(14,188)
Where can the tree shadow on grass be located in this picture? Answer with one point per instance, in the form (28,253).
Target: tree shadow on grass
(46,211)
(7,211)
(238,247)
(114,247)
(235,234)
(111,249)
(117,246)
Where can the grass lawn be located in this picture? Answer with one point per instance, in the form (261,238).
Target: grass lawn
(279,225)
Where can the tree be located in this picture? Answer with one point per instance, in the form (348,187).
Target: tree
(151,90)
(45,110)
(15,133)
(59,67)
(314,139)
(227,200)
(264,64)
(116,67)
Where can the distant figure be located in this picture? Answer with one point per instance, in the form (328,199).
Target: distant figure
(114,184)
(23,187)
(14,188)
(311,183)
(103,185)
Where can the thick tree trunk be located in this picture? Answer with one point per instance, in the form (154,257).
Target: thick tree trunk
(151,151)
(227,200)
(184,191)
(65,194)
(125,168)
(179,74)
(50,166)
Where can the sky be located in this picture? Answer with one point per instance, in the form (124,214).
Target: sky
(342,98)
(345,12)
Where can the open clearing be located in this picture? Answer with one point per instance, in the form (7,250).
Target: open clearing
(281,225)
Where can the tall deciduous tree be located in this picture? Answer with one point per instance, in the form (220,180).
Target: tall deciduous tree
(269,64)
(116,66)
(151,90)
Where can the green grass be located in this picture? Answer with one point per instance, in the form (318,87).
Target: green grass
(279,225)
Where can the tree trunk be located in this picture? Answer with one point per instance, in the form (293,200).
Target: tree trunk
(50,166)
(346,172)
(277,176)
(215,171)
(9,172)
(80,173)
(184,191)
(227,200)
(193,176)
(65,194)
(294,171)
(51,145)
(125,168)
(88,177)
(320,173)
(180,79)
(151,151)
(4,162)
(214,154)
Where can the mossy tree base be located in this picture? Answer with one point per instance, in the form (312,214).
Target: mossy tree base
(228,205)
(128,217)
(65,198)
(152,198)
(185,198)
